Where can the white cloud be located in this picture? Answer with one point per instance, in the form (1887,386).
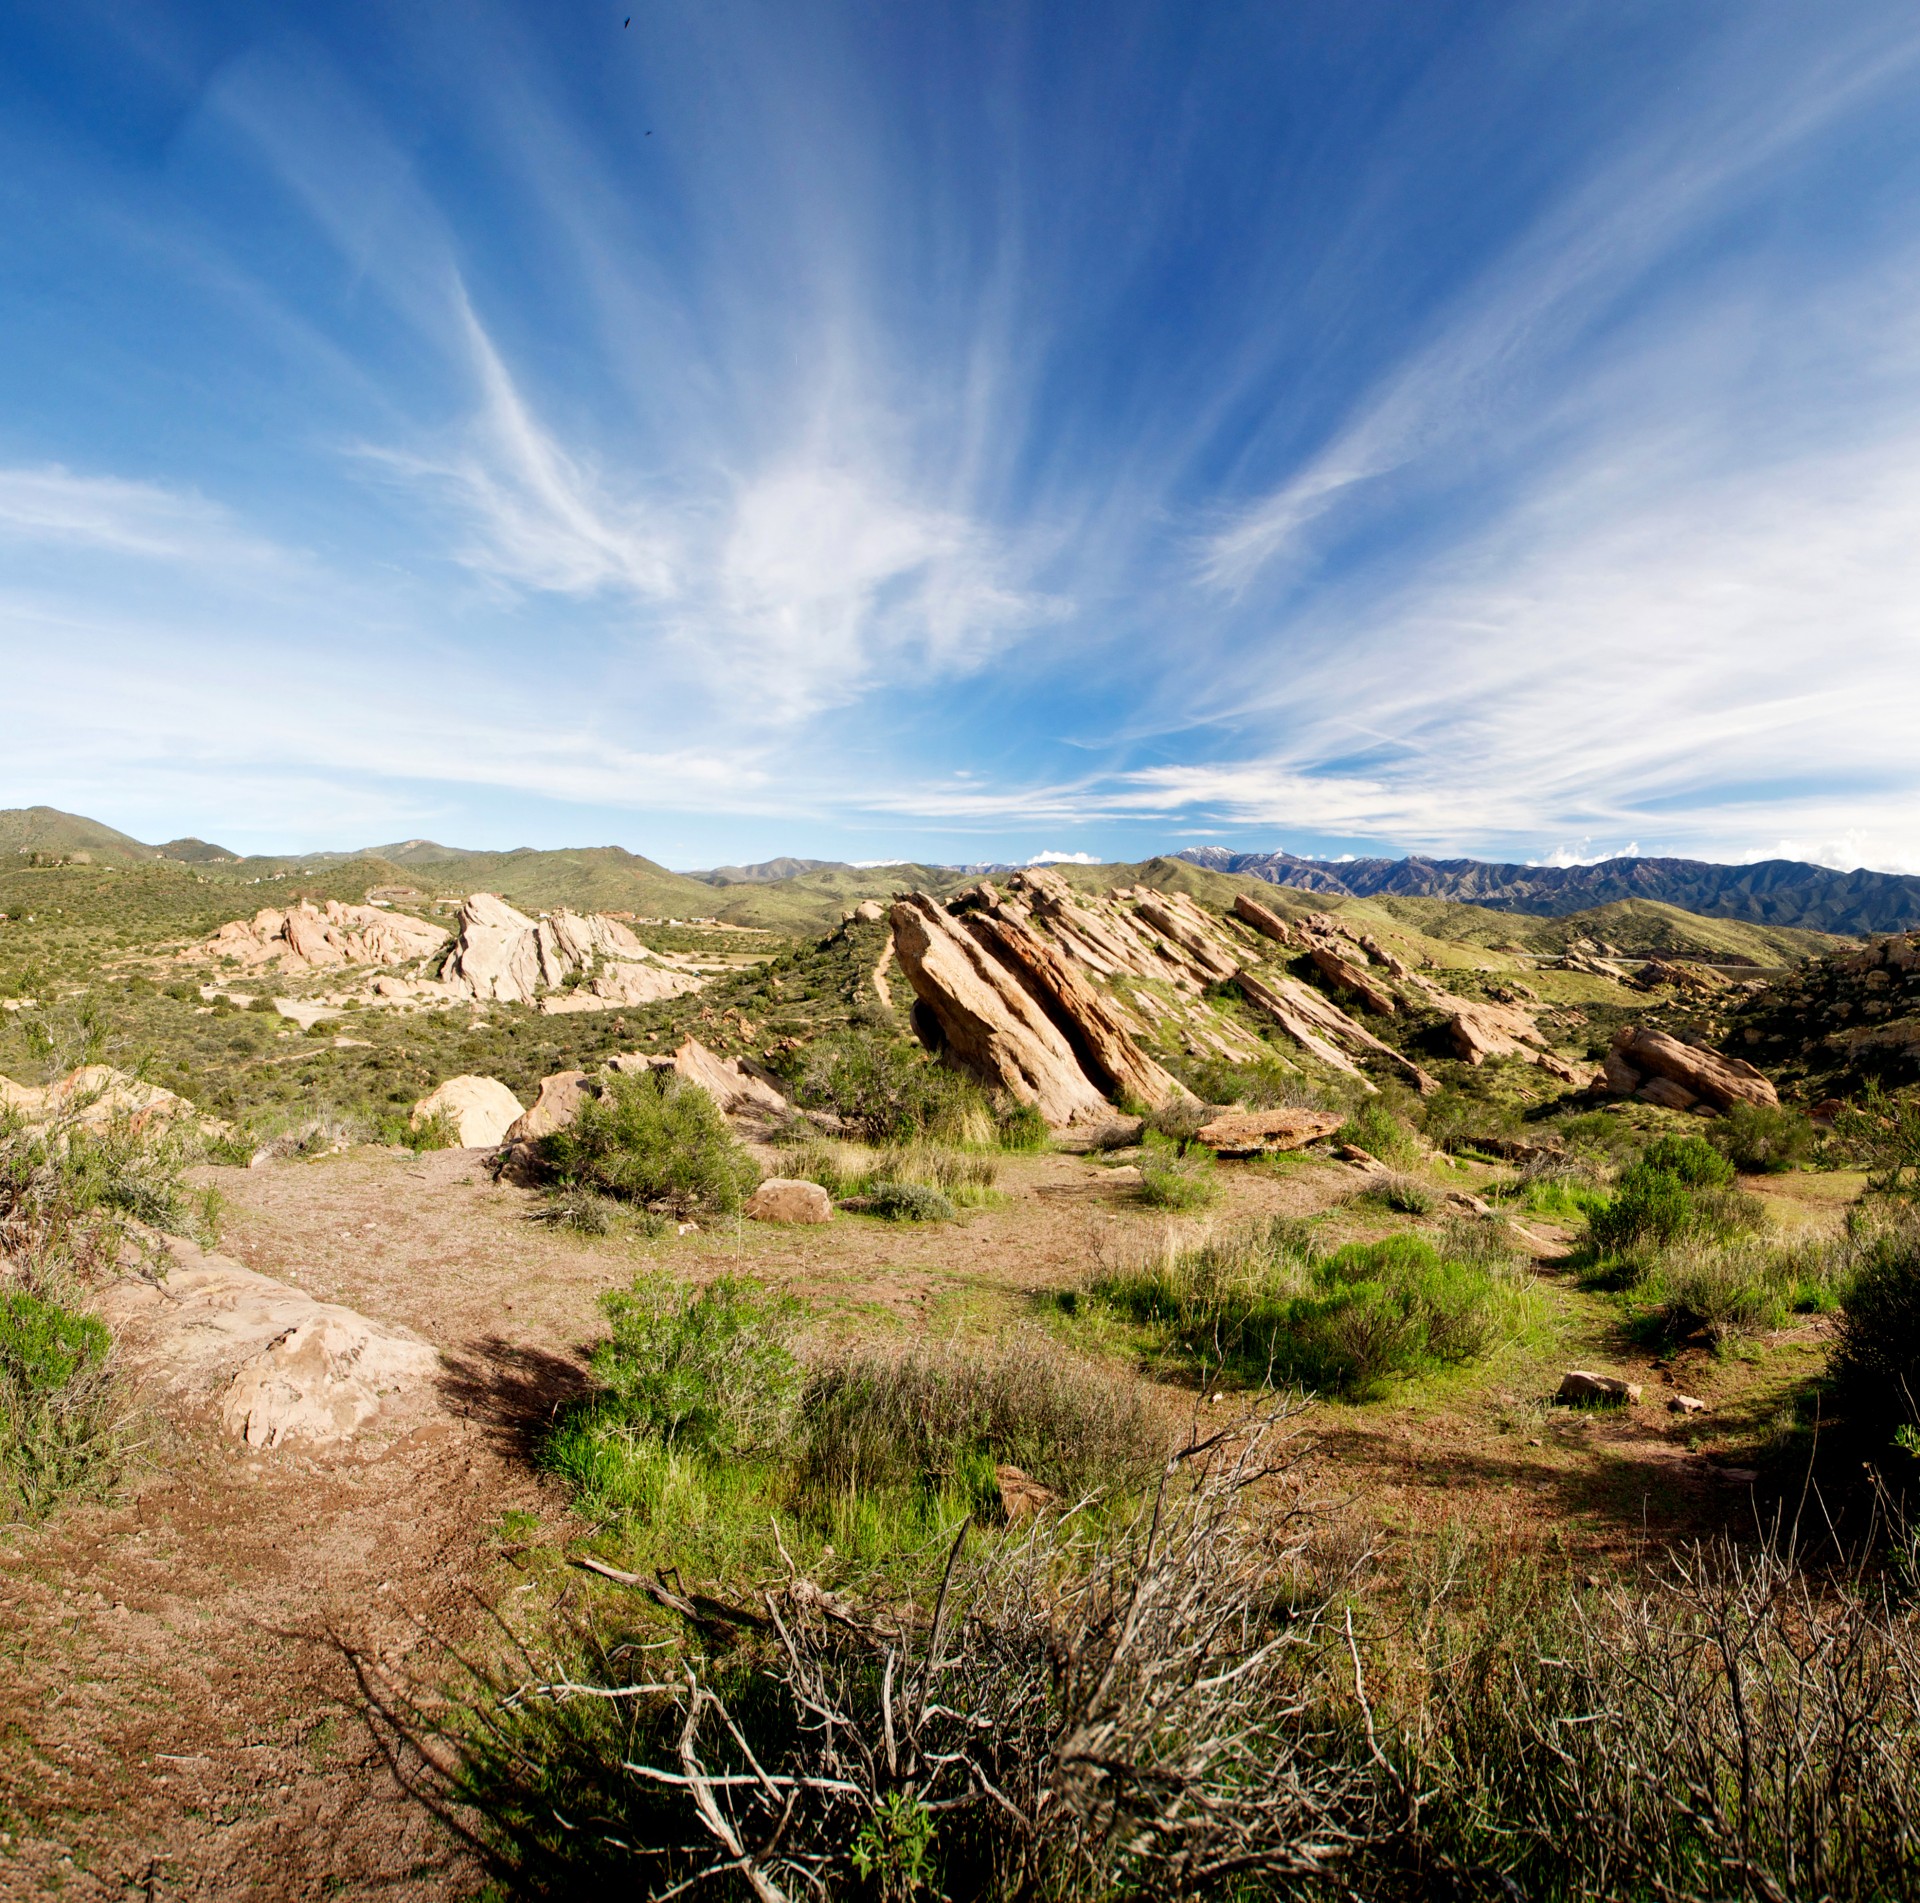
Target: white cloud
(111,515)
(1066,859)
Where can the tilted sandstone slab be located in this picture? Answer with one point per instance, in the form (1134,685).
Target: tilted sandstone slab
(989,1022)
(1638,1056)
(481,1109)
(280,1368)
(1349,977)
(1264,920)
(1262,1132)
(745,1094)
(1100,1033)
(1320,1027)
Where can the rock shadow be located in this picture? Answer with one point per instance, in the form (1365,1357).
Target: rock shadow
(513,1390)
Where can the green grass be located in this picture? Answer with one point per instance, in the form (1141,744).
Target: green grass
(1176,1176)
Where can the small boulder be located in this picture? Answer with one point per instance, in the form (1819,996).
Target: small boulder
(869,911)
(1581,1387)
(481,1109)
(1685,1404)
(786,1199)
(1259,1132)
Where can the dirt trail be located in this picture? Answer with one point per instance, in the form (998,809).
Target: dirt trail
(179,1712)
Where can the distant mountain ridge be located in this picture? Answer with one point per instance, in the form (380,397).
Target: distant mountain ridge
(1768,892)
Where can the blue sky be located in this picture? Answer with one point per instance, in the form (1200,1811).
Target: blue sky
(965,431)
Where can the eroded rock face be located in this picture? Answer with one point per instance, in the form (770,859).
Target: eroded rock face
(314,938)
(1349,977)
(1262,1132)
(745,1095)
(97,1095)
(1264,920)
(558,1103)
(990,1023)
(279,1368)
(1653,1065)
(502,954)
(481,1109)
(1320,1027)
(786,1199)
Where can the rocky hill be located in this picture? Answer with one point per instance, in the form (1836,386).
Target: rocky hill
(1769,892)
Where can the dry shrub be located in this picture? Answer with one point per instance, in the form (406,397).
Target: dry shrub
(872,1423)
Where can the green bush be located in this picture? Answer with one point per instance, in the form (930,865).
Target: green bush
(907,1202)
(1678,1191)
(1022,1127)
(1875,1369)
(656,1140)
(1763,1139)
(59,1418)
(1270,1304)
(1690,1160)
(1173,1176)
(1404,1194)
(1375,1126)
(703,1374)
(887,1090)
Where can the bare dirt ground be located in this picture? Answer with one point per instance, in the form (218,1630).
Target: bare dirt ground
(182,1708)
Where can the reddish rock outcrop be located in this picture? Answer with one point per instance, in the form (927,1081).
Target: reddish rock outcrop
(1322,1029)
(1639,1057)
(305,937)
(1264,920)
(1261,1132)
(989,1022)
(1349,977)
(558,1103)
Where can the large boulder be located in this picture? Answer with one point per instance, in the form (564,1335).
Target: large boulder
(1651,1064)
(481,1109)
(558,1103)
(1261,1132)
(497,952)
(278,1367)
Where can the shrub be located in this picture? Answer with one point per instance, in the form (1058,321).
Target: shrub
(1172,1177)
(1763,1139)
(1722,1289)
(1404,1194)
(707,1373)
(1374,1126)
(907,1202)
(570,1206)
(652,1139)
(1875,1368)
(1022,1127)
(934,1423)
(887,1090)
(59,1413)
(1677,1191)
(1882,1135)
(1269,1304)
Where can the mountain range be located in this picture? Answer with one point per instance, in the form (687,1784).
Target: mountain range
(1771,892)
(1768,892)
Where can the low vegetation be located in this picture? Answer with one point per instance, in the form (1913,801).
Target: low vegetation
(652,1140)
(903,1182)
(1271,1304)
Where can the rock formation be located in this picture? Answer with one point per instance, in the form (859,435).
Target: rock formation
(97,1095)
(558,1103)
(1349,977)
(785,1199)
(279,1367)
(1262,1132)
(501,954)
(314,938)
(481,1109)
(1264,920)
(987,1020)
(1320,1027)
(1661,1069)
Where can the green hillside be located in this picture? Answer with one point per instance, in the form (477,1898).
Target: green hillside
(45,829)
